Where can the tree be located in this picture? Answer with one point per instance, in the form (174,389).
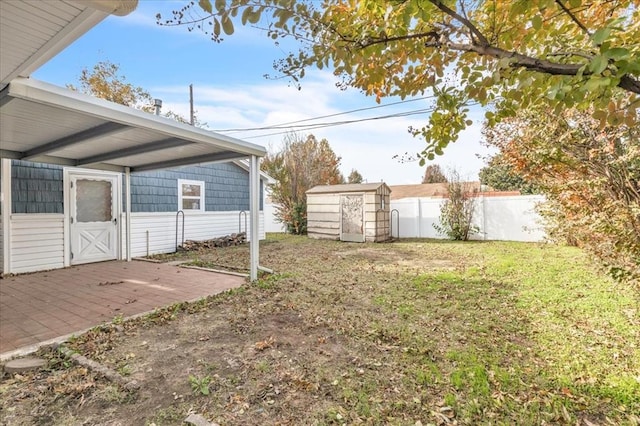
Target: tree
(105,81)
(509,55)
(299,165)
(591,180)
(355,177)
(500,175)
(457,210)
(433,174)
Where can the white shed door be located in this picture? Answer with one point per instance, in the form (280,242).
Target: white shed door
(93,224)
(352,218)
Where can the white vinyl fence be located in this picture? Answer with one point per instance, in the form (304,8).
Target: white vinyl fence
(270,222)
(510,218)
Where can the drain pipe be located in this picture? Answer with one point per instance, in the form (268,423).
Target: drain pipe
(264,269)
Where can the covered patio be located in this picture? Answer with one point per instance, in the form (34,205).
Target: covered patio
(43,123)
(44,307)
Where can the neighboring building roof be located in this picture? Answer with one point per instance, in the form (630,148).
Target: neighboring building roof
(349,187)
(426,190)
(264,176)
(423,190)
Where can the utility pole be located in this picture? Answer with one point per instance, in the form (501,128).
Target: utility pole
(191,104)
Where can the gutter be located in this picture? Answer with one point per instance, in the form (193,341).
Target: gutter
(112,7)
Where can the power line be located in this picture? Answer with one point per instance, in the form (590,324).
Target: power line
(345,122)
(337,123)
(281,125)
(341,123)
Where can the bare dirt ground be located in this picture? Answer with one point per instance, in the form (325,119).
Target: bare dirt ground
(403,333)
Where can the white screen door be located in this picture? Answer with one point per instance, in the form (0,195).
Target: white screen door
(93,224)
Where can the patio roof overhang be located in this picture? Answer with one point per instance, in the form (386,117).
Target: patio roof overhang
(32,32)
(46,123)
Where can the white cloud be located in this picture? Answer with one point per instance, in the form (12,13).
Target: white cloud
(367,146)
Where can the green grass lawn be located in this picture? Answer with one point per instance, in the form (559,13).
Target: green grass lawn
(500,332)
(410,332)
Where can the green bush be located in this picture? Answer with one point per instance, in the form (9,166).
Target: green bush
(456,212)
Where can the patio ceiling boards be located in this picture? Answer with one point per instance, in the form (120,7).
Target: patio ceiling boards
(46,123)
(32,32)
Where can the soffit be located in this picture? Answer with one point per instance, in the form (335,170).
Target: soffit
(32,32)
(45,123)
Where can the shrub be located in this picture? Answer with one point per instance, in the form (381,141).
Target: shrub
(457,211)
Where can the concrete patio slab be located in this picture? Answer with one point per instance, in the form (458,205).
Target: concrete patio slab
(43,307)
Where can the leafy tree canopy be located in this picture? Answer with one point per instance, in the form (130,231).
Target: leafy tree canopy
(355,177)
(299,165)
(105,81)
(500,175)
(591,180)
(509,55)
(434,174)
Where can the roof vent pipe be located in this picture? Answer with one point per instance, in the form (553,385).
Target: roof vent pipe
(158,104)
(114,7)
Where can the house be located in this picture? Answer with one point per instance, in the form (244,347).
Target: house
(213,200)
(351,212)
(83,179)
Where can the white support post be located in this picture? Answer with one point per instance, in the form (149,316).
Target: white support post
(254,213)
(127,185)
(6,215)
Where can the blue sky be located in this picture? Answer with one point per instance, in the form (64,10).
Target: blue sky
(231,92)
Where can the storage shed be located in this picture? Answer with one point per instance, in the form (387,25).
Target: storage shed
(351,212)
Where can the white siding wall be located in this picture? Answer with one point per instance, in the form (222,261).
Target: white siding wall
(37,242)
(161,229)
(499,218)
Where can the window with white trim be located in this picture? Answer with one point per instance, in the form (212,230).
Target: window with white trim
(190,195)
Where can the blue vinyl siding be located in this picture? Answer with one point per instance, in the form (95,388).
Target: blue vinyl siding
(226,188)
(37,188)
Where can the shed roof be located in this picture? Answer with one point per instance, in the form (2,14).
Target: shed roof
(349,187)
(50,124)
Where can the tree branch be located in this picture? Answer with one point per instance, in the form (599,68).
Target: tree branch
(464,21)
(535,64)
(370,42)
(630,84)
(627,82)
(573,17)
(566,54)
